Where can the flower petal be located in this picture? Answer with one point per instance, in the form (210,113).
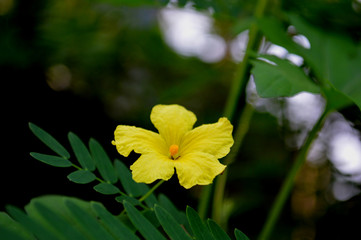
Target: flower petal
(215,139)
(197,168)
(152,166)
(172,122)
(128,138)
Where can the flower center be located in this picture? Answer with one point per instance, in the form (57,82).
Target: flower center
(173,150)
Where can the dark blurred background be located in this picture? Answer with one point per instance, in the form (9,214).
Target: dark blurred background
(87,66)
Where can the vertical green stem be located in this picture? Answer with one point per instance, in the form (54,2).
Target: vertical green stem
(289,181)
(242,72)
(239,83)
(204,202)
(242,129)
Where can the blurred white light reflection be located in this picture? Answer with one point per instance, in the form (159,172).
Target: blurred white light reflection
(188,32)
(239,45)
(343,190)
(344,147)
(338,141)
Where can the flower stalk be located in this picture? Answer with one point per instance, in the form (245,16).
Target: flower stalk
(238,87)
(242,129)
(145,196)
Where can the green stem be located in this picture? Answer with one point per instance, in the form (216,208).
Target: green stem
(242,129)
(238,87)
(204,202)
(242,72)
(145,196)
(289,181)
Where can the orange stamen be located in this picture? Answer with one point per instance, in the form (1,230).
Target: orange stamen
(173,150)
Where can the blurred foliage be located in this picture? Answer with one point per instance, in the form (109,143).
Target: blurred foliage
(114,51)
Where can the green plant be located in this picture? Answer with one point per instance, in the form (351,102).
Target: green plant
(60,217)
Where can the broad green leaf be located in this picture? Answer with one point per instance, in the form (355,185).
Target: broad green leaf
(10,229)
(217,232)
(143,225)
(199,229)
(334,58)
(114,226)
(88,223)
(276,32)
(81,176)
(106,188)
(170,225)
(102,161)
(48,140)
(7,234)
(63,228)
(132,188)
(30,225)
(345,68)
(336,99)
(57,205)
(81,152)
(51,160)
(240,235)
(281,80)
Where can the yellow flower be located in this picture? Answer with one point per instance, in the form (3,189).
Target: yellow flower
(194,153)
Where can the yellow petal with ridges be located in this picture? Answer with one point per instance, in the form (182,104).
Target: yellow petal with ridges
(215,139)
(152,166)
(172,122)
(128,138)
(197,169)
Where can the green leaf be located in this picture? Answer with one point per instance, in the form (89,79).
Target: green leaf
(59,217)
(199,229)
(170,225)
(81,176)
(114,226)
(334,58)
(7,234)
(130,186)
(179,216)
(240,235)
(88,223)
(336,99)
(150,215)
(143,225)
(30,225)
(151,200)
(281,80)
(48,140)
(242,24)
(63,228)
(81,152)
(131,200)
(106,188)
(10,229)
(276,32)
(102,161)
(217,232)
(51,160)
